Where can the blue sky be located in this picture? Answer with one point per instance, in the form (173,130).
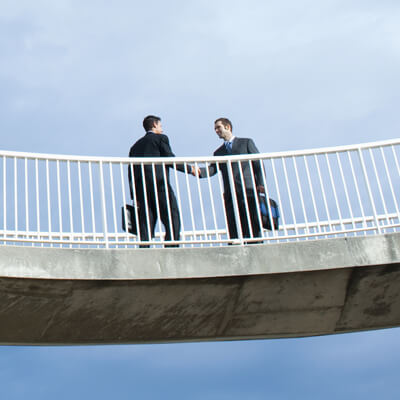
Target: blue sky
(77,77)
(350,366)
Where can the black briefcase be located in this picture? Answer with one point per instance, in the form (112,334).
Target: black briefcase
(129,223)
(264,211)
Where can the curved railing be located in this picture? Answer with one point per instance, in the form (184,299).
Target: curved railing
(70,201)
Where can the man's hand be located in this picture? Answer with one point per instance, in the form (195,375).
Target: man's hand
(196,171)
(261,189)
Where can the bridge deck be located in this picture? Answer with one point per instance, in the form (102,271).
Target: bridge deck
(85,296)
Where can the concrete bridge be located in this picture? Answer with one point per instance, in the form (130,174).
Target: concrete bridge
(77,296)
(332,267)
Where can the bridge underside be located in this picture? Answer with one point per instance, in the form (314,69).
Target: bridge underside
(166,304)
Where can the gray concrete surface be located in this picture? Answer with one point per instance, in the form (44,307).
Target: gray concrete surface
(81,296)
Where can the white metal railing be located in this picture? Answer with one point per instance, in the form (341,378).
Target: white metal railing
(70,201)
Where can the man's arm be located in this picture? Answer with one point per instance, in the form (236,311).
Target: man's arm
(166,151)
(212,170)
(165,148)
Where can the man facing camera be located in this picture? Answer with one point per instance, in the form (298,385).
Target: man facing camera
(154,187)
(246,182)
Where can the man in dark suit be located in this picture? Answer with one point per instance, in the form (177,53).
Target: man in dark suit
(247,178)
(154,188)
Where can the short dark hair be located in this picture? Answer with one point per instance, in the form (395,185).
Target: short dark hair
(149,122)
(225,122)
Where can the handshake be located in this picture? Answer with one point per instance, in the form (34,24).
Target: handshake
(196,171)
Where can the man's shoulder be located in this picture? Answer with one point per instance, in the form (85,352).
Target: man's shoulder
(149,138)
(138,146)
(137,142)
(242,140)
(156,137)
(220,151)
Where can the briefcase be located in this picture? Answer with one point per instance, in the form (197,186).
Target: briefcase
(129,223)
(264,211)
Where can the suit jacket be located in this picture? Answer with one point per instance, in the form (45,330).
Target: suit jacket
(239,146)
(152,145)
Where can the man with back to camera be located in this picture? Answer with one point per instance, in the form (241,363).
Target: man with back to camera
(234,145)
(155,144)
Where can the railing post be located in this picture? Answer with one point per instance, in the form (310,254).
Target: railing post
(15,196)
(4,194)
(48,198)
(178,194)
(371,198)
(81,197)
(235,203)
(91,198)
(37,198)
(103,205)
(26,197)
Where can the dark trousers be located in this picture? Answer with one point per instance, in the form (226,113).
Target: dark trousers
(253,215)
(172,227)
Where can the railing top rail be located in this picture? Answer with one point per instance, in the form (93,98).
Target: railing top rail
(146,160)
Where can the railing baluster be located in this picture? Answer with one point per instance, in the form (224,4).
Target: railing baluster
(48,198)
(103,205)
(301,194)
(290,196)
(135,201)
(390,183)
(201,203)
(255,194)
(210,191)
(37,199)
(91,200)
(364,222)
(321,182)
(267,196)
(178,194)
(371,198)
(171,225)
(345,188)
(244,196)
(234,202)
(189,193)
(71,219)
(26,197)
(396,160)
(15,196)
(312,194)
(81,197)
(221,192)
(155,188)
(5,195)
(398,169)
(278,191)
(378,181)
(334,191)
(59,199)
(146,205)
(121,170)
(113,196)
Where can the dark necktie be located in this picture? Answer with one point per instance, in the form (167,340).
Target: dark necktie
(228,146)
